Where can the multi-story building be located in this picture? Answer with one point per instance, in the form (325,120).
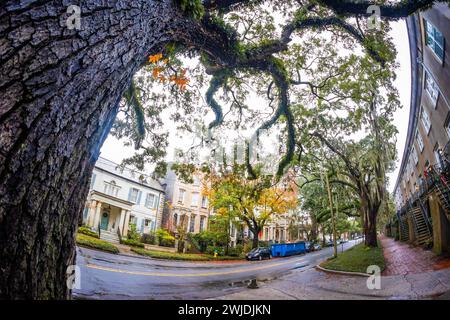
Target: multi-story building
(119,197)
(428,131)
(185,205)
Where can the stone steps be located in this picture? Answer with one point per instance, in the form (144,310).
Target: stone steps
(109,236)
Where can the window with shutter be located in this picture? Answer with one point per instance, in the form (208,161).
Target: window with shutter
(434,40)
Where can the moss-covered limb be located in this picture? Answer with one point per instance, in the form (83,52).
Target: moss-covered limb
(217,81)
(193,8)
(398,10)
(249,167)
(227,5)
(132,99)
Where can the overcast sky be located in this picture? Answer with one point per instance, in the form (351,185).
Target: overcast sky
(114,150)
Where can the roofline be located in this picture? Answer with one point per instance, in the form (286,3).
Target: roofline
(415,93)
(128,179)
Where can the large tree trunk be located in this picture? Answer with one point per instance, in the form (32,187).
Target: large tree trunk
(60,91)
(371,228)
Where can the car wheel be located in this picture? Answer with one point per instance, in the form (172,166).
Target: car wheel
(270,256)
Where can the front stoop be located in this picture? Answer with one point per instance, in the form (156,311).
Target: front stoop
(109,236)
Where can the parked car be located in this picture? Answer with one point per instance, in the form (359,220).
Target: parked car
(308,246)
(259,254)
(317,247)
(329,243)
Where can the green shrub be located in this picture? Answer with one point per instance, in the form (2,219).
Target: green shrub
(88,232)
(148,238)
(132,233)
(170,255)
(94,243)
(236,251)
(133,243)
(167,241)
(247,247)
(181,256)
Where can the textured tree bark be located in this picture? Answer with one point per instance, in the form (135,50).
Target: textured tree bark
(60,90)
(371,228)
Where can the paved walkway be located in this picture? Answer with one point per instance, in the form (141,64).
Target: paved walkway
(403,258)
(411,273)
(317,285)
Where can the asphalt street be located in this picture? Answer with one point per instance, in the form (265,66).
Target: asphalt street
(109,276)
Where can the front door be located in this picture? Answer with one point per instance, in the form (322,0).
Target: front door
(105,220)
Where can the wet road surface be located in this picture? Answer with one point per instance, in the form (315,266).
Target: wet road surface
(108,276)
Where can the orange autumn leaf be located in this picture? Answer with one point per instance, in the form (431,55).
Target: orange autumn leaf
(155,72)
(155,58)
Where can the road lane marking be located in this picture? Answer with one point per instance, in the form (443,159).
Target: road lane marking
(158,274)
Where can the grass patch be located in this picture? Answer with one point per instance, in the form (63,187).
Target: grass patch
(132,243)
(88,232)
(356,259)
(94,243)
(180,256)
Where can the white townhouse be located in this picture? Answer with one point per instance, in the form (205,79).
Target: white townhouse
(119,197)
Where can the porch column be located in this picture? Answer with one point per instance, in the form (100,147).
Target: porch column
(440,226)
(97,214)
(126,223)
(189,222)
(123,213)
(91,214)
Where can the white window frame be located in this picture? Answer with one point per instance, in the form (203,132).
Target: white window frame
(202,223)
(147,204)
(430,34)
(181,195)
(204,202)
(436,156)
(111,188)
(419,140)
(426,122)
(194,196)
(196,181)
(192,224)
(131,195)
(431,88)
(414,155)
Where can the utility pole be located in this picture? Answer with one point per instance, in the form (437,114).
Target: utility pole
(330,199)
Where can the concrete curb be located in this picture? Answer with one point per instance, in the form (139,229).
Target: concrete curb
(347,273)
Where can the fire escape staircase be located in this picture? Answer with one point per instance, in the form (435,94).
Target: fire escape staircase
(404,229)
(443,193)
(422,227)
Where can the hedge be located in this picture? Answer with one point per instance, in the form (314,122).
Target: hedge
(180,256)
(88,232)
(94,243)
(133,243)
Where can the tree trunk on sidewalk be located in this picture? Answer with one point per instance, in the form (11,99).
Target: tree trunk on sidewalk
(255,240)
(60,93)
(371,228)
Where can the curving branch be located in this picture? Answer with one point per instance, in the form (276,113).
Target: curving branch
(217,81)
(398,10)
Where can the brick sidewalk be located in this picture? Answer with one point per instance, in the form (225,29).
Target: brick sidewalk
(403,258)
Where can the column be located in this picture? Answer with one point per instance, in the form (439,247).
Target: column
(91,214)
(123,213)
(97,214)
(189,222)
(126,223)
(440,226)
